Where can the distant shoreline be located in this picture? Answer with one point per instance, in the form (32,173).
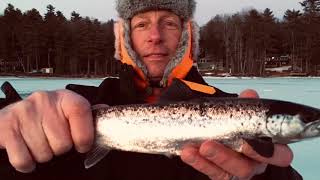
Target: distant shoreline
(49,76)
(53,76)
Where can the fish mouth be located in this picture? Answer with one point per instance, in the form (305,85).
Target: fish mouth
(312,130)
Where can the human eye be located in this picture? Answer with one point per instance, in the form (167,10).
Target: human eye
(140,25)
(170,24)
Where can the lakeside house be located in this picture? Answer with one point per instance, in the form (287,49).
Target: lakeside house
(278,64)
(273,65)
(46,70)
(16,67)
(207,64)
(9,66)
(286,65)
(277,61)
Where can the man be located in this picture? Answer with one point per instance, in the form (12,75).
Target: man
(157,43)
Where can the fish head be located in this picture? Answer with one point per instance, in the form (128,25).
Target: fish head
(289,122)
(284,128)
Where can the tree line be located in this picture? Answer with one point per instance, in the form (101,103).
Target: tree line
(85,46)
(79,46)
(244,41)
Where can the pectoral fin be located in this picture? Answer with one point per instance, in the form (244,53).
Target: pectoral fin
(263,146)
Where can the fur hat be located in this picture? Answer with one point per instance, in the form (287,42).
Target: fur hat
(183,8)
(128,8)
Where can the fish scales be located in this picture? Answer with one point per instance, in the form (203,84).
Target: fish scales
(166,127)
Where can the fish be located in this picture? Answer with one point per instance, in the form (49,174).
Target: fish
(166,127)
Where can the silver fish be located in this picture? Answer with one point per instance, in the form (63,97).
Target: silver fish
(165,128)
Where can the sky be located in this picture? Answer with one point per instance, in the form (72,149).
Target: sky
(105,9)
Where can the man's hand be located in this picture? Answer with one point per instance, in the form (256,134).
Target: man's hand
(43,125)
(221,163)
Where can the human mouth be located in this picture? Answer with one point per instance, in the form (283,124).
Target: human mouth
(156,56)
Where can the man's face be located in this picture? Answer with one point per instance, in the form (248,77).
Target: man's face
(155,36)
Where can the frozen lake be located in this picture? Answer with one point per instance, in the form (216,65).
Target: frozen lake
(300,90)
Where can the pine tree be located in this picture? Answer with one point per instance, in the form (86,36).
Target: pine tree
(32,39)
(13,35)
(50,24)
(294,37)
(60,41)
(312,33)
(311,7)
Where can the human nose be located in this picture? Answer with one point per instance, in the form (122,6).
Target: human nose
(155,35)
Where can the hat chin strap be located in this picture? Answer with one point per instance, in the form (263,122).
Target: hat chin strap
(178,67)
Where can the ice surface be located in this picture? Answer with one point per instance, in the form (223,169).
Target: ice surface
(299,90)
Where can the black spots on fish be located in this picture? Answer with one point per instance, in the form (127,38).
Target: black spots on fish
(242,124)
(188,107)
(202,109)
(270,121)
(146,144)
(174,112)
(241,134)
(259,106)
(236,108)
(202,126)
(256,107)
(175,106)
(231,106)
(212,106)
(199,109)
(196,108)
(118,113)
(106,111)
(135,108)
(241,106)
(153,111)
(231,116)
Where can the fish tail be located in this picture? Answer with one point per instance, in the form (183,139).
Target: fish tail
(98,152)
(95,155)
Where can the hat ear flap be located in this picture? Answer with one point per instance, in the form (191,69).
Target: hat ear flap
(116,29)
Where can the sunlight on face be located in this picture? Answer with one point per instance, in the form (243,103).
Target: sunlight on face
(155,36)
